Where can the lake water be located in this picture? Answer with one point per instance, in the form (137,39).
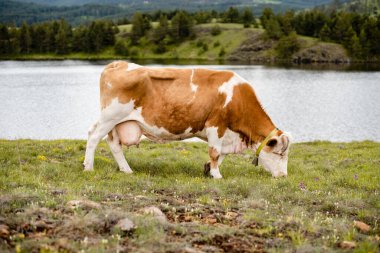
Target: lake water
(60,100)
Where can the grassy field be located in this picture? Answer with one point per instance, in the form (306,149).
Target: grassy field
(330,185)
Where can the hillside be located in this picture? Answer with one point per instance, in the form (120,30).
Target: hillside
(84,10)
(238,44)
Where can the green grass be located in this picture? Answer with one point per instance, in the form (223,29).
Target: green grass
(340,183)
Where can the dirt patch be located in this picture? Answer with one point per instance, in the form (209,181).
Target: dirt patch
(233,243)
(254,49)
(322,53)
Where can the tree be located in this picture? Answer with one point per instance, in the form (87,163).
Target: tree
(273,29)
(266,16)
(287,46)
(182,26)
(325,33)
(140,25)
(25,39)
(231,16)
(247,17)
(355,48)
(162,29)
(286,22)
(4,40)
(63,37)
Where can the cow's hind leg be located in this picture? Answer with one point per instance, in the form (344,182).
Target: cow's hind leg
(113,141)
(109,118)
(96,133)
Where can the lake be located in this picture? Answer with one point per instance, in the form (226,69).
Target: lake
(60,99)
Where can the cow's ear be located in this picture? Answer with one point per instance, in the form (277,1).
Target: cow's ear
(272,142)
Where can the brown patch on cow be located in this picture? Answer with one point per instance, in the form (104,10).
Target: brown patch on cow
(246,116)
(214,156)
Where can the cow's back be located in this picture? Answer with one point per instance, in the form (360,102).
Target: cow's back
(175,99)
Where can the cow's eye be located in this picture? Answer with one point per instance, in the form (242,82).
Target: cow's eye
(272,143)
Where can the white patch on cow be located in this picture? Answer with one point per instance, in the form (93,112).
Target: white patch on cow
(133,66)
(117,110)
(193,86)
(228,87)
(232,143)
(109,85)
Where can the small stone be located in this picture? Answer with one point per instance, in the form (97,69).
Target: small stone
(347,245)
(156,212)
(362,226)
(83,204)
(188,218)
(125,225)
(231,215)
(210,219)
(4,231)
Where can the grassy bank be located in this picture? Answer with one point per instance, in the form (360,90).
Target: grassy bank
(330,185)
(234,43)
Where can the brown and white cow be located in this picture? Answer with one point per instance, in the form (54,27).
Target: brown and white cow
(174,104)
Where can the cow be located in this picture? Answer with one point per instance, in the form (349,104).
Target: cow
(166,104)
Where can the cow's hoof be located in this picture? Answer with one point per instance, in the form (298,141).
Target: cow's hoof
(126,171)
(215,173)
(87,167)
(207,168)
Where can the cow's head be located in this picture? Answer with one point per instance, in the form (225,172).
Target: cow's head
(274,155)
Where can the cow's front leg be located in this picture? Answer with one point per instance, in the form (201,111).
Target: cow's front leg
(214,151)
(212,166)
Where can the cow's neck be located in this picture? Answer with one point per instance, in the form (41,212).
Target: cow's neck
(248,117)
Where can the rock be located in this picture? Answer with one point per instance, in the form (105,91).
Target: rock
(210,219)
(125,225)
(41,225)
(231,215)
(87,204)
(347,245)
(362,226)
(4,231)
(156,212)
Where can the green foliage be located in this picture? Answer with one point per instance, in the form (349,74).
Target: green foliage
(222,52)
(121,47)
(273,29)
(287,46)
(216,30)
(182,26)
(247,17)
(140,26)
(267,15)
(231,15)
(57,37)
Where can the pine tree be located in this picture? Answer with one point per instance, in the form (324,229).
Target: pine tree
(247,17)
(25,39)
(231,16)
(325,33)
(273,29)
(182,26)
(140,25)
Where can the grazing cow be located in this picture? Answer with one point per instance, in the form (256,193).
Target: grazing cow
(174,104)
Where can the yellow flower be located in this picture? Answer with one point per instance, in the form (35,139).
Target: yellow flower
(185,152)
(41,158)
